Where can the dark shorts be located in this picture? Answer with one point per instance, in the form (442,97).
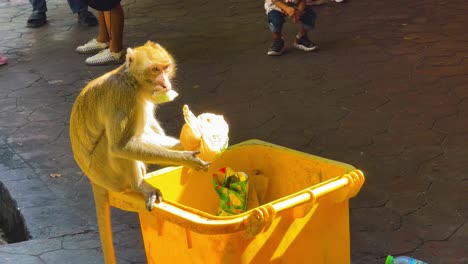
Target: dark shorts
(276,19)
(103,5)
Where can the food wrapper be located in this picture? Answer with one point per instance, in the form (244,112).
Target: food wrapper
(207,133)
(232,189)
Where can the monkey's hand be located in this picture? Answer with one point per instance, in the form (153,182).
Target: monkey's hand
(193,162)
(152,197)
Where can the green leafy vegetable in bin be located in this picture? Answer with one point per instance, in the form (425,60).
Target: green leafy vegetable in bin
(232,189)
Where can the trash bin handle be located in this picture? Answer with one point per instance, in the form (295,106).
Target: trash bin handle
(205,223)
(263,215)
(354,180)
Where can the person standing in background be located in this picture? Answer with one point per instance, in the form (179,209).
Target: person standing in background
(38,17)
(109,42)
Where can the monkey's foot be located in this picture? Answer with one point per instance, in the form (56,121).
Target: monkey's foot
(152,198)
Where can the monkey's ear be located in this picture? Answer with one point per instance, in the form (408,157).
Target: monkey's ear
(151,44)
(130,57)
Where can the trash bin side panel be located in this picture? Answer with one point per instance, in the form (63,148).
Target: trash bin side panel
(166,242)
(322,236)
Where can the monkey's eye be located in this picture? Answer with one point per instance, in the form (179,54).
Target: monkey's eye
(155,69)
(166,69)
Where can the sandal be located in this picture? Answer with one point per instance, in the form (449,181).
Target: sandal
(37,19)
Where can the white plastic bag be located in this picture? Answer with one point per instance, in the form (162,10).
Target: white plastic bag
(207,133)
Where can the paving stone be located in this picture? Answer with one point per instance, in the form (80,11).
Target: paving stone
(370,196)
(9,159)
(396,242)
(33,193)
(89,240)
(378,119)
(450,196)
(59,111)
(75,257)
(368,259)
(363,101)
(33,247)
(453,144)
(374,219)
(131,254)
(443,252)
(31,104)
(7,258)
(7,104)
(442,168)
(421,153)
(408,185)
(13,119)
(6,131)
(43,93)
(432,222)
(395,143)
(461,233)
(387,171)
(18,81)
(52,221)
(353,139)
(407,203)
(7,174)
(129,237)
(37,133)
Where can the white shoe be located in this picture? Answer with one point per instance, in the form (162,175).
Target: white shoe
(105,57)
(93,46)
(339,1)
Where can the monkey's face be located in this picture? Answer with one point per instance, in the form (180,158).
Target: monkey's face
(153,67)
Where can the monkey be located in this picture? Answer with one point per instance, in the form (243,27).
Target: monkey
(114,133)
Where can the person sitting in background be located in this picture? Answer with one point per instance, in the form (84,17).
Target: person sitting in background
(38,17)
(319,2)
(277,10)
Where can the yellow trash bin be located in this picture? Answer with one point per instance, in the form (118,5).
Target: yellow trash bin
(303,218)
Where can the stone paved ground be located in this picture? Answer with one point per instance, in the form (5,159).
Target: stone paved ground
(387,92)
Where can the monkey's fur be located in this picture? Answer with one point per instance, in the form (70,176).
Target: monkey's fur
(113,130)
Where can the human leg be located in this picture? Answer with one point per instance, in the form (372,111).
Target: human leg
(302,41)
(103,35)
(275,23)
(77,6)
(110,29)
(99,43)
(38,16)
(39,5)
(115,25)
(85,17)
